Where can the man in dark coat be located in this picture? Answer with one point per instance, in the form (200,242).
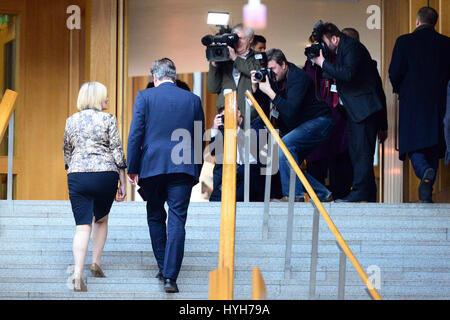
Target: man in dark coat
(363,99)
(419,73)
(166,171)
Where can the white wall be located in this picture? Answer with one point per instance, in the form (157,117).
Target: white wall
(173,28)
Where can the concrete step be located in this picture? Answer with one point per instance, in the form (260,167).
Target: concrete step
(275,222)
(409,243)
(55,208)
(268,246)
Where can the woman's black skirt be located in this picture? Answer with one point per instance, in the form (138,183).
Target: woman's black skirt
(91,194)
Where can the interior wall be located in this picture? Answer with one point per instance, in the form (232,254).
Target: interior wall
(173,28)
(44,75)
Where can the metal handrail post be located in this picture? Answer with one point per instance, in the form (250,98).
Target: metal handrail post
(247,152)
(314,254)
(269,166)
(342,272)
(290,226)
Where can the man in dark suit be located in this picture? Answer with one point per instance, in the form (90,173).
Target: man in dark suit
(363,99)
(166,168)
(419,73)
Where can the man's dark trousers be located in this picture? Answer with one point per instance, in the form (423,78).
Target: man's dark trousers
(168,242)
(361,143)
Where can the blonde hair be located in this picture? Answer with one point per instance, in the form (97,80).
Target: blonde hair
(91,95)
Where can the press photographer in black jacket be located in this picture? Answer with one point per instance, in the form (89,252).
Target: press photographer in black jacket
(303,121)
(363,99)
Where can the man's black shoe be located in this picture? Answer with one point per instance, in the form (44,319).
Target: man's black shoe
(426,186)
(170,286)
(160,276)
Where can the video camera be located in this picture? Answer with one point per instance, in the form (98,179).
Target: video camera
(217,46)
(261,74)
(314,50)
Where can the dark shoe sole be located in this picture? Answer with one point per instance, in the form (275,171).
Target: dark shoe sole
(171,290)
(426,186)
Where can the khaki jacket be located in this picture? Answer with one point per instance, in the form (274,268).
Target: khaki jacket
(221,77)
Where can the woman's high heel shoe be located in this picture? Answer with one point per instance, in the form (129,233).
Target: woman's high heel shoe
(96,271)
(79,285)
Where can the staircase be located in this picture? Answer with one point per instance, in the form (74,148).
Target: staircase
(409,243)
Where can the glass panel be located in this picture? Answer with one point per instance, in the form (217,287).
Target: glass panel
(7,54)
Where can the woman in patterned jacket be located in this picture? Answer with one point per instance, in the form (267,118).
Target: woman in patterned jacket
(95,162)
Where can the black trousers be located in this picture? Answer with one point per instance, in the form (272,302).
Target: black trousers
(340,171)
(362,139)
(256,183)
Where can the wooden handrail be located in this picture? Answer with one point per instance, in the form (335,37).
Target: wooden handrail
(259,291)
(6,110)
(315,199)
(228,211)
(219,284)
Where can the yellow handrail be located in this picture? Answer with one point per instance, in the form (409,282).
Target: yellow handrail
(259,291)
(315,199)
(6,110)
(228,211)
(219,284)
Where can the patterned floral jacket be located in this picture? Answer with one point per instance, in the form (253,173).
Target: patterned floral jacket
(92,143)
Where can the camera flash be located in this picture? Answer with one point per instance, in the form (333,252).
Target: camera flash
(218,18)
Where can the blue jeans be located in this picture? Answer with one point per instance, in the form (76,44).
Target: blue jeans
(301,142)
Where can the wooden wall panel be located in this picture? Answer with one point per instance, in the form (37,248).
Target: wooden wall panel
(48,78)
(101,51)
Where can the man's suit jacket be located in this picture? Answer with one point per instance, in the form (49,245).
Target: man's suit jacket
(357,81)
(419,73)
(157,113)
(221,77)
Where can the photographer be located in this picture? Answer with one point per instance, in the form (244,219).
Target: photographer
(235,74)
(363,100)
(258,43)
(217,140)
(303,121)
(331,158)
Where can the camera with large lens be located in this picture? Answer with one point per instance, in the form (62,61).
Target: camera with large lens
(314,50)
(261,74)
(217,46)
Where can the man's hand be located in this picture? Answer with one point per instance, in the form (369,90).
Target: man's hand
(218,121)
(382,135)
(267,89)
(232,53)
(319,60)
(134,179)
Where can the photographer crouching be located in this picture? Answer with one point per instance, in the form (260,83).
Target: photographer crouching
(303,121)
(364,102)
